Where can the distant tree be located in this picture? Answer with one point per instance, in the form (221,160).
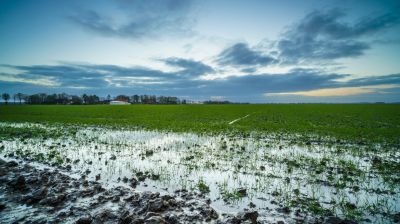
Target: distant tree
(42,97)
(91,99)
(20,97)
(172,100)
(122,98)
(33,99)
(76,100)
(108,97)
(50,99)
(62,98)
(147,99)
(26,98)
(135,98)
(161,99)
(5,97)
(85,98)
(95,99)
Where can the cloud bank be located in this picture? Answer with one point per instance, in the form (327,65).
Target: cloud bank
(111,78)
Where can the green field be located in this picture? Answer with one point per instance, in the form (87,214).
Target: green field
(361,123)
(288,156)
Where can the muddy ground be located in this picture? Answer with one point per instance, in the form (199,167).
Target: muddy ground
(29,194)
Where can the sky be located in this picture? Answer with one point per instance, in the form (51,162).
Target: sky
(258,51)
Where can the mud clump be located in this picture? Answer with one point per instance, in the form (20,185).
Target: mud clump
(337,220)
(84,220)
(18,183)
(250,216)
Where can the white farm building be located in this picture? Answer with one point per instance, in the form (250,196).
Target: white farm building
(117,102)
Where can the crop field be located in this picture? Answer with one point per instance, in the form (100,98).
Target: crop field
(359,123)
(289,163)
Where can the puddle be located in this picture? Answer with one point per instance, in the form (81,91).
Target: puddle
(278,178)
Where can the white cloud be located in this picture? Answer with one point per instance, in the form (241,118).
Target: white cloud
(39,81)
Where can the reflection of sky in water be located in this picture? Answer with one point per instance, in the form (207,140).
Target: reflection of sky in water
(224,163)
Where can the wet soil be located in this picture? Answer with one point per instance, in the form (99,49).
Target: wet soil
(48,195)
(31,195)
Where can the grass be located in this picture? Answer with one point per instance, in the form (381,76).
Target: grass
(202,186)
(25,133)
(360,123)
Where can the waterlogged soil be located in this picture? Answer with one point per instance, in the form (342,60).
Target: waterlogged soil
(42,195)
(226,179)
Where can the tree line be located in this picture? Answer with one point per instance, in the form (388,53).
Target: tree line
(63,98)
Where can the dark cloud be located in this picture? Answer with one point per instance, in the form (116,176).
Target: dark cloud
(90,76)
(375,80)
(189,67)
(119,71)
(104,76)
(323,35)
(150,18)
(329,24)
(248,70)
(296,80)
(320,36)
(241,54)
(294,51)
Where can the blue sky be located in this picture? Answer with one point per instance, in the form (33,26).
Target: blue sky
(249,51)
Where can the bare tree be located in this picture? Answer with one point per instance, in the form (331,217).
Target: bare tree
(20,97)
(5,97)
(135,98)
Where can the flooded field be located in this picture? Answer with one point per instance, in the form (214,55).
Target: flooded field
(280,177)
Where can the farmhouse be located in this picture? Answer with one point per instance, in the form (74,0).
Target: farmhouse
(117,102)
